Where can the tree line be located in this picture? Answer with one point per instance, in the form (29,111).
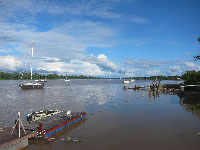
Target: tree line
(36,76)
(158,78)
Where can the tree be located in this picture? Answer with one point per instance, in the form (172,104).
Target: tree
(197,56)
(191,77)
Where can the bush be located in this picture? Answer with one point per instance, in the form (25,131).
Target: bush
(191,77)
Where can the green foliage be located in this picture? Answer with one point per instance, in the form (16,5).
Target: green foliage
(195,107)
(157,77)
(191,77)
(27,76)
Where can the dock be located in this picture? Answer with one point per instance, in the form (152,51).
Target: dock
(155,87)
(14,142)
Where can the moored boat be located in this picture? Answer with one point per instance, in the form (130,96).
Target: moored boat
(126,81)
(48,122)
(41,80)
(31,85)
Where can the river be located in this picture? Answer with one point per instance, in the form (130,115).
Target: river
(116,118)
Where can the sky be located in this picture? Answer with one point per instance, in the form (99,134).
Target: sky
(100,38)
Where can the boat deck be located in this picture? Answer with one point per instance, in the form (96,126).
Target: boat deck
(50,121)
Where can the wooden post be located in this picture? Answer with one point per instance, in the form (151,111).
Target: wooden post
(40,128)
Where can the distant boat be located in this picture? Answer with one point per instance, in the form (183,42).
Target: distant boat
(109,76)
(126,81)
(132,80)
(32,85)
(66,80)
(41,80)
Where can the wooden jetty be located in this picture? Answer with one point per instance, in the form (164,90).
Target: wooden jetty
(155,87)
(135,87)
(9,142)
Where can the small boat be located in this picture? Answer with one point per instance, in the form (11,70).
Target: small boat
(41,80)
(126,81)
(66,79)
(132,80)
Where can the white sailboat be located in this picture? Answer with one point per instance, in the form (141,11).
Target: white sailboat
(132,80)
(67,80)
(32,85)
(126,81)
(109,76)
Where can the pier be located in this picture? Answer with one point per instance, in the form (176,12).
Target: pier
(154,87)
(14,142)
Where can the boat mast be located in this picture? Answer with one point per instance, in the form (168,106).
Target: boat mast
(32,58)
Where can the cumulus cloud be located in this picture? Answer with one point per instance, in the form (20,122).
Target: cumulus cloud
(9,63)
(61,46)
(152,67)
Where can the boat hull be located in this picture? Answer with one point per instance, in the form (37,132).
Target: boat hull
(126,81)
(63,125)
(33,86)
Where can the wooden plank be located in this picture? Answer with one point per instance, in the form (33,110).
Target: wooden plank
(7,139)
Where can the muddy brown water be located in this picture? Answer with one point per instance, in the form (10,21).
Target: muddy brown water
(129,119)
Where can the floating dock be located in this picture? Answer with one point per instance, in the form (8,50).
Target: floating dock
(155,87)
(51,124)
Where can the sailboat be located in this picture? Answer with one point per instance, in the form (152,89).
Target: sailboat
(67,80)
(126,81)
(132,80)
(32,85)
(109,76)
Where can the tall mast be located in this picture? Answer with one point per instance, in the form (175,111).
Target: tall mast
(32,58)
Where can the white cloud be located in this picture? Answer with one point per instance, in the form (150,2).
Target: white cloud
(190,64)
(9,63)
(62,45)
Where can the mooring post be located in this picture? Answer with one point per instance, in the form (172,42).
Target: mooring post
(40,128)
(19,123)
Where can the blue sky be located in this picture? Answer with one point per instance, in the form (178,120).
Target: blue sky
(100,37)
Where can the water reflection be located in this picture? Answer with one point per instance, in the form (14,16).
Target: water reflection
(191,101)
(46,143)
